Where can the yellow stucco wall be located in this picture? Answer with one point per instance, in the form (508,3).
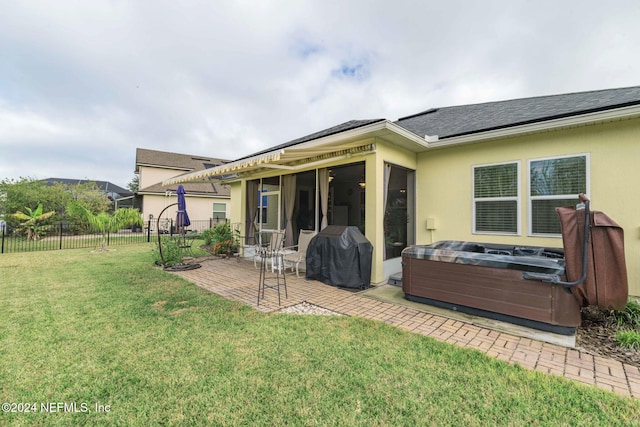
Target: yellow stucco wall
(374,220)
(444,183)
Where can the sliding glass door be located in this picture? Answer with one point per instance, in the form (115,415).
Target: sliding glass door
(269,208)
(398,199)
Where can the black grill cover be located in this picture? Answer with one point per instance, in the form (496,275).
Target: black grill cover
(340,256)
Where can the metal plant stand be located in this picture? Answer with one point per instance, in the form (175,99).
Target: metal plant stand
(271,253)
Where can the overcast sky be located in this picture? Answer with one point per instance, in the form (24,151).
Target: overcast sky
(83,83)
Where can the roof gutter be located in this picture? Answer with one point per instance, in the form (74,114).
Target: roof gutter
(565,122)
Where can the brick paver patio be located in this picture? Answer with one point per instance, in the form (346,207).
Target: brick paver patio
(238,280)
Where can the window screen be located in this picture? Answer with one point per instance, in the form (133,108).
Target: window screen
(219,211)
(495,198)
(554,183)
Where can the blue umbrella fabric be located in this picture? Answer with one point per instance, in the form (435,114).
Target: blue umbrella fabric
(182,219)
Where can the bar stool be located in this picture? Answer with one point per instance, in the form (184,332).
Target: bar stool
(270,251)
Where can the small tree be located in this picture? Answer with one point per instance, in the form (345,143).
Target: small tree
(134,184)
(91,197)
(107,223)
(31,220)
(16,194)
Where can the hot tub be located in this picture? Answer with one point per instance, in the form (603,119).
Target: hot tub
(486,280)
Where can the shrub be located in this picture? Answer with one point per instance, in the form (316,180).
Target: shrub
(629,316)
(221,238)
(629,339)
(208,236)
(225,247)
(170,252)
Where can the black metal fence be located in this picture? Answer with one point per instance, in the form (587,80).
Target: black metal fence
(63,236)
(167,225)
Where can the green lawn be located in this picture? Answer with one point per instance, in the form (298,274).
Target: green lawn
(110,329)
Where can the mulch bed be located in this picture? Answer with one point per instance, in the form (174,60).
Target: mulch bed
(597,336)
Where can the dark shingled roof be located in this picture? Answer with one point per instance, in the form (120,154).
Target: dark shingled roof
(352,124)
(460,120)
(105,186)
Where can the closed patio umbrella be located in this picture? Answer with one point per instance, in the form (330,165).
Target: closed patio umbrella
(182,218)
(182,221)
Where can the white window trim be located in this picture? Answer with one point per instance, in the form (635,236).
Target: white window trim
(530,198)
(213,211)
(517,198)
(269,192)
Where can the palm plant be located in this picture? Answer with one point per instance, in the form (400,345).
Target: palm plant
(104,222)
(31,220)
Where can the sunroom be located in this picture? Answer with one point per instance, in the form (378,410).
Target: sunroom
(360,173)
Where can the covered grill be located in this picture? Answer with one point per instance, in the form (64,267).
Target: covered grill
(340,256)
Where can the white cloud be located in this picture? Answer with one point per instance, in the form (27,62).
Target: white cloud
(29,126)
(97,79)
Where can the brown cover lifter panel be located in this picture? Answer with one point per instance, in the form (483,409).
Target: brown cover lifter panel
(606,284)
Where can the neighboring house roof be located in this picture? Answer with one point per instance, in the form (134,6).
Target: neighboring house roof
(105,186)
(181,163)
(460,120)
(213,189)
(168,160)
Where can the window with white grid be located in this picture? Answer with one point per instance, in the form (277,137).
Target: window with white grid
(496,202)
(219,212)
(554,182)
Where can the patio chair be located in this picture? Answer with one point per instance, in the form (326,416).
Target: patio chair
(296,255)
(261,240)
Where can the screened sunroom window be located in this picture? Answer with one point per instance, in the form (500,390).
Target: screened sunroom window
(495,198)
(554,183)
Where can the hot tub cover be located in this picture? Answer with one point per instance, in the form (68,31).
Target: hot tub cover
(340,256)
(524,258)
(606,284)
